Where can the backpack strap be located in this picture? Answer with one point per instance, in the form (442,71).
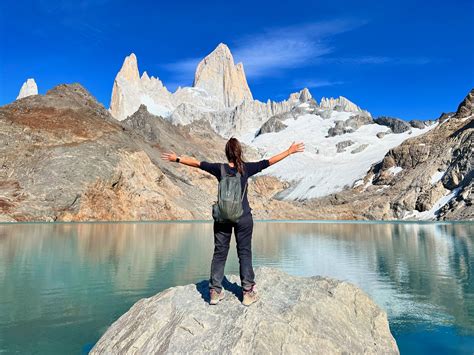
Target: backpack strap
(223,173)
(246,183)
(243,194)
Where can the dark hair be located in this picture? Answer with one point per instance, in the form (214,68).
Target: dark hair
(233,151)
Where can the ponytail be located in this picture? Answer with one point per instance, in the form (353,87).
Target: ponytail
(233,151)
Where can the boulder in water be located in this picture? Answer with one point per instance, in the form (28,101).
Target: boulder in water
(295,315)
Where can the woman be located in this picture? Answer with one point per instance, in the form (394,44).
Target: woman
(244,227)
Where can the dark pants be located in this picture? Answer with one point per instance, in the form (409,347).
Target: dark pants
(243,236)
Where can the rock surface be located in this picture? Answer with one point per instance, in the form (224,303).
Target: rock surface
(435,179)
(350,125)
(341,146)
(64,158)
(28,88)
(338,129)
(359,149)
(273,124)
(396,125)
(295,315)
(340,104)
(466,107)
(303,96)
(221,78)
(383,134)
(130,91)
(220,94)
(418,124)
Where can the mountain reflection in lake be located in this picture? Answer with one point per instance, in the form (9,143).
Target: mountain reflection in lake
(63,284)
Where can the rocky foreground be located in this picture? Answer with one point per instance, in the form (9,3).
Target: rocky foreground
(295,315)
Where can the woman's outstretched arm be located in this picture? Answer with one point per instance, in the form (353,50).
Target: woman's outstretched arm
(294,148)
(183,160)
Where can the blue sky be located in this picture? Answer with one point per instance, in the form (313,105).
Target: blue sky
(409,59)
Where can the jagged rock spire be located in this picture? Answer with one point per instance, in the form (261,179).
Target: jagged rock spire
(302,96)
(341,104)
(130,91)
(221,78)
(129,70)
(28,88)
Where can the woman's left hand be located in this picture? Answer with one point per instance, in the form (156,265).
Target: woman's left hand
(169,156)
(296,148)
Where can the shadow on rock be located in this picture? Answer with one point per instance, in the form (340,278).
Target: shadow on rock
(233,287)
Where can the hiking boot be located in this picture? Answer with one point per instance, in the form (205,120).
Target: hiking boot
(249,297)
(216,296)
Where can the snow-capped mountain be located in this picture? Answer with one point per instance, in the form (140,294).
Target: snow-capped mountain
(342,140)
(354,166)
(220,93)
(130,91)
(340,147)
(219,84)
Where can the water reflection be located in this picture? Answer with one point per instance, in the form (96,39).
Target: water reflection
(72,280)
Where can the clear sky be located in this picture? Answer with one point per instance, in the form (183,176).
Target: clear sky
(406,58)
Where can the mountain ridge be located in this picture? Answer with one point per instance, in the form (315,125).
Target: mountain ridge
(220,92)
(64,157)
(428,177)
(403,167)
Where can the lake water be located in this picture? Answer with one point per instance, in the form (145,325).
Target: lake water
(63,284)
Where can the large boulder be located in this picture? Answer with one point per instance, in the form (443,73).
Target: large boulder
(295,315)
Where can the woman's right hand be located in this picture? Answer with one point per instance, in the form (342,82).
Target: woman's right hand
(169,156)
(296,147)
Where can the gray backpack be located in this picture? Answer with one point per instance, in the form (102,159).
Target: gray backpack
(228,208)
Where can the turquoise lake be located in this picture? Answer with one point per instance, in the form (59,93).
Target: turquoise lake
(63,284)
